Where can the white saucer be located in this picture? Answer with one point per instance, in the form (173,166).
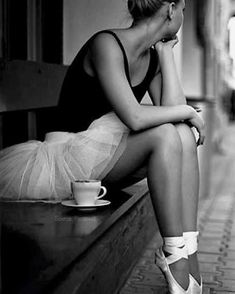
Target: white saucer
(98,203)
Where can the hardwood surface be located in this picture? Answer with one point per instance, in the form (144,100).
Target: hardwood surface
(30,85)
(39,240)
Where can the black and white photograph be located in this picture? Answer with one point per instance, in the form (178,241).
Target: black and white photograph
(117,146)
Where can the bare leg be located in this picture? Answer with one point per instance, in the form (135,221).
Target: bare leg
(160,149)
(190,188)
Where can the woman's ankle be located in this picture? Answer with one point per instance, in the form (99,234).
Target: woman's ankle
(194,267)
(175,251)
(180,272)
(191,241)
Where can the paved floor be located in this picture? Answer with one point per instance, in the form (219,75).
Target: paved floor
(217,235)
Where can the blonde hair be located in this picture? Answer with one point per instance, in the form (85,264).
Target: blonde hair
(140,9)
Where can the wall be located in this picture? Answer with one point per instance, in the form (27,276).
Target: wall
(1,29)
(84,17)
(192,55)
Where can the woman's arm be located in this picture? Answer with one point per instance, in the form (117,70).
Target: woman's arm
(172,92)
(166,89)
(108,65)
(167,80)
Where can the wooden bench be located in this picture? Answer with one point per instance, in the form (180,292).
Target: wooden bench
(51,248)
(29,91)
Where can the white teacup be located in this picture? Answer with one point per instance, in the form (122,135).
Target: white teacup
(86,192)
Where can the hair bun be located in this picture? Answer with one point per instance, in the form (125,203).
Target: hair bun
(140,9)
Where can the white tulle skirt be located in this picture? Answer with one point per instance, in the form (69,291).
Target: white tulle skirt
(43,171)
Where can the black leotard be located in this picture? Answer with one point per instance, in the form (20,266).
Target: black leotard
(82,99)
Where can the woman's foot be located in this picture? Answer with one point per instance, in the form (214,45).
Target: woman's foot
(194,267)
(192,247)
(172,259)
(180,271)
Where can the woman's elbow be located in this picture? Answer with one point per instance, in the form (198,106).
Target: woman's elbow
(134,127)
(136,123)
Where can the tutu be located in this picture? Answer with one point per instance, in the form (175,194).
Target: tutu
(43,171)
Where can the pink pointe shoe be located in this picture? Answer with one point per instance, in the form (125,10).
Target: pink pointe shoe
(163,263)
(196,288)
(191,242)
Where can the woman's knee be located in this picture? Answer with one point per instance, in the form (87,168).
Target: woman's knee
(165,138)
(187,138)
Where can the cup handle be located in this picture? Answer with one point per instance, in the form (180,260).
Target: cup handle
(104,192)
(71,187)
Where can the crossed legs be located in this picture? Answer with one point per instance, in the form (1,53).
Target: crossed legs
(169,154)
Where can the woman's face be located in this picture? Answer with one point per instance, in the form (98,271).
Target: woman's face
(177,18)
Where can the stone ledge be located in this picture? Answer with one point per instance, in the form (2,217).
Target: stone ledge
(44,246)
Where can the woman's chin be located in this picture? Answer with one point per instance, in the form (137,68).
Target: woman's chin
(169,38)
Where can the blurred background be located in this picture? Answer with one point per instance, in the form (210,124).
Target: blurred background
(52,32)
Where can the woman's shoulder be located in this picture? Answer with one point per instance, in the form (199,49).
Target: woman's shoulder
(104,38)
(106,44)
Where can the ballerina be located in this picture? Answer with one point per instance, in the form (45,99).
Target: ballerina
(102,131)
